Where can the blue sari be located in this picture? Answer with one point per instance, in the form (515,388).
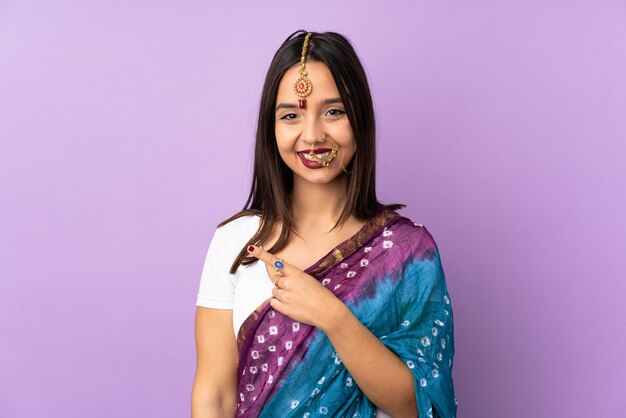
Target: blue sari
(390,276)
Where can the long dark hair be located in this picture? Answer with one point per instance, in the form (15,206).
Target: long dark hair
(272,179)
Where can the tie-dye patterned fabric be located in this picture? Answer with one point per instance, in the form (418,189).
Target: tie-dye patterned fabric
(390,276)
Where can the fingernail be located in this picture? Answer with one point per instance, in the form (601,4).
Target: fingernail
(251,248)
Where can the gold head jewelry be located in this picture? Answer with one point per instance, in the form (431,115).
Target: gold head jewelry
(302,87)
(325,161)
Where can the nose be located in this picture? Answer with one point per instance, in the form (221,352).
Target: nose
(313,131)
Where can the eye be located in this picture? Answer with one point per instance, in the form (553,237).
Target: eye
(289,116)
(337,112)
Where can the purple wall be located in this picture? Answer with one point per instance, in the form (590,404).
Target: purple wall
(126,134)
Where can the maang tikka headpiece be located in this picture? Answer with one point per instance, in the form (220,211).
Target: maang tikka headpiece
(302,87)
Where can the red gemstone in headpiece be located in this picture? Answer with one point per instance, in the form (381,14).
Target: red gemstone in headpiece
(302,103)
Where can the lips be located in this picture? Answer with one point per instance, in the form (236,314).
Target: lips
(309,163)
(315,150)
(312,163)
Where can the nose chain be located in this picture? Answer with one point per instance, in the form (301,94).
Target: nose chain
(325,161)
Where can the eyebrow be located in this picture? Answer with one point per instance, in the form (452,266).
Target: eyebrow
(295,106)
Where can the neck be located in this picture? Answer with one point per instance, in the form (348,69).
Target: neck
(318,204)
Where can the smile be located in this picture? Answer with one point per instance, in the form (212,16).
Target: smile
(308,156)
(318,158)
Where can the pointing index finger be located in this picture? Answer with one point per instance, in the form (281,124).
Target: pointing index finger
(266,257)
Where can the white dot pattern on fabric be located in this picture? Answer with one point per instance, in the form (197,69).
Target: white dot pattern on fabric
(336,357)
(424,367)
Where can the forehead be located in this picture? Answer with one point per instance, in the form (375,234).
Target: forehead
(321,79)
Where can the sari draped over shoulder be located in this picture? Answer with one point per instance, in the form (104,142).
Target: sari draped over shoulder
(390,276)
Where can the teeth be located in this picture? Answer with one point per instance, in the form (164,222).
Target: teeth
(307,156)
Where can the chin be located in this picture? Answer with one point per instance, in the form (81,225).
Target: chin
(319,178)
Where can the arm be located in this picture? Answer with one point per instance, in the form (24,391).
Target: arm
(379,373)
(214,392)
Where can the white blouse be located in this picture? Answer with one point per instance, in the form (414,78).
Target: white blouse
(243,291)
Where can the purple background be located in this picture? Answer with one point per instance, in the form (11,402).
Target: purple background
(126,134)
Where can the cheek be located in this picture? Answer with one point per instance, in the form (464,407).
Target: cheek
(342,132)
(284,141)
(348,143)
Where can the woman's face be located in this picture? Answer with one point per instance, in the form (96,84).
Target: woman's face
(323,120)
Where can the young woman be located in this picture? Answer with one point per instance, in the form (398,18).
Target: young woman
(317,299)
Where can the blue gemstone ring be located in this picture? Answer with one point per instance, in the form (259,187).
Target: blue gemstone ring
(279,264)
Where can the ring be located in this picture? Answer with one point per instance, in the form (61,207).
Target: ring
(279,264)
(276,282)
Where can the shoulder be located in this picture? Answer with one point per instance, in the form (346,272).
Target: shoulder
(238,231)
(242,224)
(413,234)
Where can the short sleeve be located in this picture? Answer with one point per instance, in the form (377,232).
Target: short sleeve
(217,286)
